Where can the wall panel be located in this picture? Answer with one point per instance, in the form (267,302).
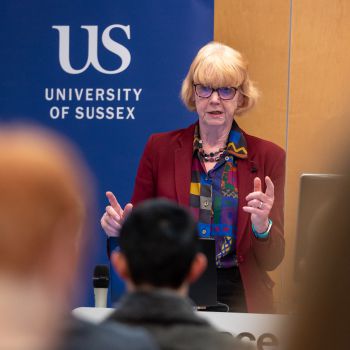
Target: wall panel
(318,117)
(260,30)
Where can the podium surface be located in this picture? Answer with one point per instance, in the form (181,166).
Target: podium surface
(257,328)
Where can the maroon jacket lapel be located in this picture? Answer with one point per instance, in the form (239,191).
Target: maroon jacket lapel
(183,165)
(245,186)
(246,171)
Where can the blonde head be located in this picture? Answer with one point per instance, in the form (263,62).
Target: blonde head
(45,201)
(218,65)
(45,193)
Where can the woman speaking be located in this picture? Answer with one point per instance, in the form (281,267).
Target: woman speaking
(231,181)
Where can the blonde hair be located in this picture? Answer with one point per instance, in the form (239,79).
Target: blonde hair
(45,194)
(219,65)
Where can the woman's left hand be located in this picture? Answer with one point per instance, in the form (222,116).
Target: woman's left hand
(259,204)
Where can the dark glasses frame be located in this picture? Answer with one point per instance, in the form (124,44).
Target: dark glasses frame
(217,90)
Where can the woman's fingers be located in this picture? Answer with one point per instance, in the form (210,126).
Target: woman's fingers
(257,195)
(114,203)
(127,210)
(259,218)
(112,213)
(255,203)
(270,188)
(114,225)
(109,225)
(257,184)
(267,197)
(252,210)
(110,231)
(259,204)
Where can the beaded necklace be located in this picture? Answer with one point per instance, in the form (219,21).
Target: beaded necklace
(212,156)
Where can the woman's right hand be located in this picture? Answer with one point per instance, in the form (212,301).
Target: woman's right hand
(114,216)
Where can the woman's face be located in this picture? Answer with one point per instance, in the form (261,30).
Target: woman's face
(214,111)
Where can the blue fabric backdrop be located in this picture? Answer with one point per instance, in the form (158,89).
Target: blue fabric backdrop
(106,74)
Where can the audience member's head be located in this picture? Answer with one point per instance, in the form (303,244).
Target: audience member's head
(159,247)
(44,193)
(323,319)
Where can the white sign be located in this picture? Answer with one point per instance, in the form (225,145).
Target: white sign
(92,59)
(266,332)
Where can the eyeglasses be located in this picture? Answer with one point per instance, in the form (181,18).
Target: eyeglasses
(225,93)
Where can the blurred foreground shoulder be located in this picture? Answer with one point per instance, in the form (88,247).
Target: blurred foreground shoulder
(81,335)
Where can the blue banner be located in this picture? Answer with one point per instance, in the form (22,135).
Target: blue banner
(106,74)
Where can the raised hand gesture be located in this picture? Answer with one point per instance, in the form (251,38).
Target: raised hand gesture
(259,204)
(114,216)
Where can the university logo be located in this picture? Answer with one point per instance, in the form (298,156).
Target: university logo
(92,59)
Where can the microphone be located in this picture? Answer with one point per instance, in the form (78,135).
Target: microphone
(253,167)
(100,282)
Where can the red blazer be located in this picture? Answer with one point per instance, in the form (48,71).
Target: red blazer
(165,171)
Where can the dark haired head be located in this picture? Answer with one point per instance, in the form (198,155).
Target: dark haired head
(159,241)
